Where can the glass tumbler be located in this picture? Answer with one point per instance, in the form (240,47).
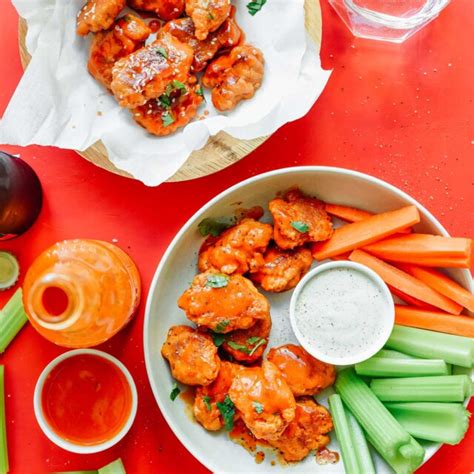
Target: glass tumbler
(387,20)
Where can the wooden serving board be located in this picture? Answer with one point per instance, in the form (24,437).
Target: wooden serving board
(222,150)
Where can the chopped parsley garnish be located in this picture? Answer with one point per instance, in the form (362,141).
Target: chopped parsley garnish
(218,339)
(207,401)
(167,119)
(127,18)
(258,407)
(261,342)
(179,85)
(174,392)
(227,410)
(162,52)
(300,226)
(255,6)
(210,16)
(220,327)
(218,280)
(200,92)
(238,347)
(214,227)
(253,339)
(165,101)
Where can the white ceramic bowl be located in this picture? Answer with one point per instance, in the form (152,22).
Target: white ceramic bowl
(178,267)
(388,315)
(61,442)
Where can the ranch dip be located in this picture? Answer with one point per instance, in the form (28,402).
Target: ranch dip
(343,314)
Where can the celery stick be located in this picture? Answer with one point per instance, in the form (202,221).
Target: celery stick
(457,370)
(3,425)
(389,354)
(364,458)
(381,367)
(115,467)
(12,319)
(444,388)
(382,430)
(75,472)
(343,433)
(432,345)
(440,422)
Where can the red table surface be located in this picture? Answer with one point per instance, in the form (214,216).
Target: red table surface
(403,113)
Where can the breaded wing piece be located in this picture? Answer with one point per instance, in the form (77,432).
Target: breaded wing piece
(207,15)
(234,76)
(97,15)
(165,9)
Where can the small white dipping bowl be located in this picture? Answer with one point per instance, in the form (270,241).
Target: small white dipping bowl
(380,339)
(68,445)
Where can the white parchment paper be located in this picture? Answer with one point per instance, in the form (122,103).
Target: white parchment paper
(58,103)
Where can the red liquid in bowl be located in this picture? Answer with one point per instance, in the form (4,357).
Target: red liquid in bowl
(86,399)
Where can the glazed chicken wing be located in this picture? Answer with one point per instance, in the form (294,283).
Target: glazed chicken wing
(248,345)
(145,74)
(238,249)
(234,76)
(171,110)
(165,9)
(264,400)
(227,36)
(205,403)
(207,15)
(126,36)
(283,269)
(309,430)
(299,219)
(192,356)
(97,15)
(304,374)
(223,303)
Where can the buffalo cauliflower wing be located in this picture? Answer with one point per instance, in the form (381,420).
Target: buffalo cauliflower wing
(97,15)
(238,249)
(234,76)
(223,303)
(192,356)
(207,15)
(299,219)
(165,9)
(264,400)
(283,269)
(304,374)
(145,74)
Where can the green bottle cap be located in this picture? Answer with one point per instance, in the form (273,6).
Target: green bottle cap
(9,270)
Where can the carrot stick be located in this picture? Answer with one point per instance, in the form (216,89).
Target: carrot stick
(434,321)
(342,256)
(443,262)
(404,282)
(442,284)
(358,234)
(346,213)
(404,248)
(409,299)
(352,214)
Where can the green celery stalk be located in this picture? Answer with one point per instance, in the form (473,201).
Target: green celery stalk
(75,472)
(343,433)
(457,370)
(115,467)
(440,422)
(382,430)
(389,354)
(444,388)
(366,465)
(382,367)
(432,345)
(12,319)
(3,426)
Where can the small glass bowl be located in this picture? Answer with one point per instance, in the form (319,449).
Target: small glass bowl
(392,20)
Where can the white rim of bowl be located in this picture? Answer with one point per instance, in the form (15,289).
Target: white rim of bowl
(68,445)
(182,435)
(389,314)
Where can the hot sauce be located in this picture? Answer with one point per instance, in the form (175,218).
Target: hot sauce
(86,399)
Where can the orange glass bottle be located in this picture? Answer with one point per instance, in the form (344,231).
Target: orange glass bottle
(79,293)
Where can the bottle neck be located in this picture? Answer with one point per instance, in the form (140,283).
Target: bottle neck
(56,302)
